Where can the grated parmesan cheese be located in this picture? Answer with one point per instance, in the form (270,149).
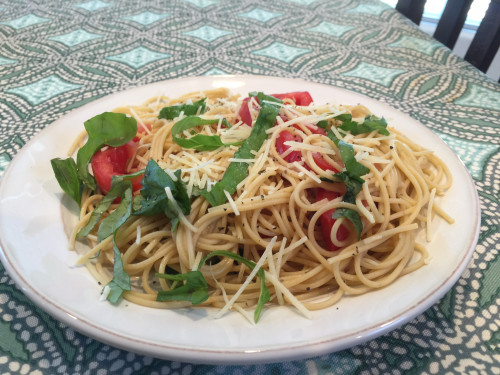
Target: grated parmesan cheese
(105,293)
(303,170)
(138,235)
(250,277)
(232,203)
(309,147)
(182,218)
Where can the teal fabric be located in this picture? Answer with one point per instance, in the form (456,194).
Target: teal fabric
(58,55)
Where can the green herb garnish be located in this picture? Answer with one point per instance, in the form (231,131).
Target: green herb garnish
(195,287)
(196,108)
(117,190)
(200,142)
(194,290)
(67,176)
(121,279)
(353,182)
(369,124)
(107,129)
(153,199)
(237,171)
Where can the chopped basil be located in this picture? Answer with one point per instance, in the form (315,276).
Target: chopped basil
(333,137)
(118,189)
(350,162)
(200,142)
(195,288)
(323,124)
(264,296)
(153,199)
(353,182)
(107,129)
(237,171)
(353,185)
(352,216)
(369,124)
(110,224)
(121,279)
(196,108)
(67,175)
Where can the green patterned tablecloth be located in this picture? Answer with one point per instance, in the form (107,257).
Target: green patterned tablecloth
(58,55)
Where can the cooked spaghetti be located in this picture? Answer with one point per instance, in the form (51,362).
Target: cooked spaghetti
(281,215)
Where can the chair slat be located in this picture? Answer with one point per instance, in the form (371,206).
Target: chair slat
(486,42)
(412,9)
(451,22)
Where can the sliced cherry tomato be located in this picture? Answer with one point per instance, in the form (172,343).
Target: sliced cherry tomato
(283,137)
(301,98)
(326,221)
(322,163)
(244,112)
(113,162)
(141,129)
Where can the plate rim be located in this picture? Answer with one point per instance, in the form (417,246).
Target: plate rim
(234,357)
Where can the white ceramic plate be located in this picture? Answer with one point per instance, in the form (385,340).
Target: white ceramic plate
(34,252)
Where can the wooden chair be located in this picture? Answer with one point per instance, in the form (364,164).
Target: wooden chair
(486,42)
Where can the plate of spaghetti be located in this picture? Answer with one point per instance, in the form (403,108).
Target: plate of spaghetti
(236,219)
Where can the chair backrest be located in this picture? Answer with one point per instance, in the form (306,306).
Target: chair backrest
(486,42)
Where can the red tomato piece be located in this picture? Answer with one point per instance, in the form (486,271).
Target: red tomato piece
(244,112)
(301,98)
(141,129)
(286,136)
(113,162)
(326,221)
(322,163)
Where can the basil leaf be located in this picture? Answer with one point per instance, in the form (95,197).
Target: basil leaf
(67,176)
(353,185)
(352,216)
(130,176)
(154,199)
(350,162)
(369,124)
(323,124)
(264,296)
(263,97)
(119,216)
(121,279)
(197,108)
(344,117)
(237,171)
(353,182)
(107,129)
(374,123)
(117,190)
(333,137)
(195,289)
(200,142)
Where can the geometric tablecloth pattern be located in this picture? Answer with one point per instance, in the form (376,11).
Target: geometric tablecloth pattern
(58,55)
